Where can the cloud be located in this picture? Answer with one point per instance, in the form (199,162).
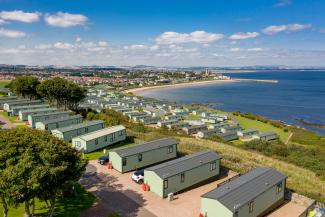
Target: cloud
(136,47)
(78,39)
(20,16)
(235,49)
(272,30)
(11,33)
(283,3)
(103,43)
(193,37)
(255,49)
(244,35)
(43,46)
(65,20)
(62,45)
(2,21)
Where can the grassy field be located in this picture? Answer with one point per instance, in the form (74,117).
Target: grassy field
(3,83)
(254,124)
(96,154)
(300,180)
(71,206)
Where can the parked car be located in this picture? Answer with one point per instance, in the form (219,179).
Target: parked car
(138,176)
(103,159)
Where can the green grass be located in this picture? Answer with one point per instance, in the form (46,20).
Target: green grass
(3,83)
(70,206)
(12,119)
(254,124)
(96,154)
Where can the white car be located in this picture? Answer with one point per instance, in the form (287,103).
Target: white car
(138,176)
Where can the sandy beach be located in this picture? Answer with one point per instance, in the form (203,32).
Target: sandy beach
(195,83)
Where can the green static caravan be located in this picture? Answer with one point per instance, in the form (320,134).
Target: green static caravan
(254,194)
(180,174)
(4,100)
(15,110)
(58,122)
(247,133)
(142,155)
(69,132)
(6,103)
(266,136)
(99,139)
(7,106)
(23,115)
(33,119)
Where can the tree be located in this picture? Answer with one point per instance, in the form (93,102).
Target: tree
(25,86)
(34,164)
(62,93)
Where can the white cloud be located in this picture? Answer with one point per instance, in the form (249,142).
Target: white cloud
(20,16)
(11,33)
(103,43)
(62,45)
(193,37)
(43,46)
(244,35)
(65,20)
(217,55)
(255,49)
(235,49)
(282,3)
(272,30)
(154,47)
(78,39)
(2,22)
(136,47)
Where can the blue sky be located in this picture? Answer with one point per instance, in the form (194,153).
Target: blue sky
(163,33)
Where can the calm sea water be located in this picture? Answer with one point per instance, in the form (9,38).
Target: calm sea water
(298,95)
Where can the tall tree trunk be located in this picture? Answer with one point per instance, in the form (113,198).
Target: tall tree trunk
(52,205)
(33,206)
(27,211)
(5,206)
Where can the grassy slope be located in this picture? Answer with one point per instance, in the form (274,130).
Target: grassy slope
(254,124)
(71,207)
(301,180)
(13,119)
(3,83)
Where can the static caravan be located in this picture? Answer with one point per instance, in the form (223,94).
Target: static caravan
(179,174)
(166,122)
(142,155)
(99,139)
(254,194)
(69,132)
(137,118)
(178,126)
(33,119)
(149,120)
(228,136)
(15,110)
(23,114)
(194,129)
(58,122)
(247,133)
(228,129)
(4,100)
(266,136)
(208,133)
(7,106)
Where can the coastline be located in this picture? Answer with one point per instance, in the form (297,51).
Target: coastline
(195,83)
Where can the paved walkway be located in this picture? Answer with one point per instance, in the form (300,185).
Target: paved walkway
(118,192)
(8,124)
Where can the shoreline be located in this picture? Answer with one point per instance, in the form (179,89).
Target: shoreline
(195,83)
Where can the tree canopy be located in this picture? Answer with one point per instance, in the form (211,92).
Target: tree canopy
(34,164)
(25,86)
(58,91)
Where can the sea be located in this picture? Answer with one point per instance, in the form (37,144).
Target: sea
(298,95)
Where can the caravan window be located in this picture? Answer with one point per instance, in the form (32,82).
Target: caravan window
(124,161)
(139,157)
(279,188)
(170,149)
(96,141)
(251,206)
(182,177)
(165,183)
(213,165)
